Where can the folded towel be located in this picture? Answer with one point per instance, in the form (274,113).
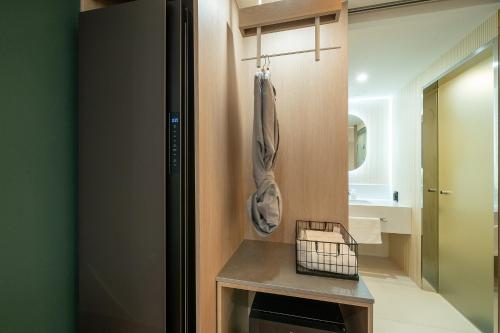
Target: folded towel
(323,236)
(325,249)
(309,257)
(365,230)
(324,240)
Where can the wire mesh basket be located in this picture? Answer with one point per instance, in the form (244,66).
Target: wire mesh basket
(325,249)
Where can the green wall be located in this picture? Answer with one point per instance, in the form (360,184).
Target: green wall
(38,166)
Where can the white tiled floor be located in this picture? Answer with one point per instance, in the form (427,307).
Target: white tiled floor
(402,307)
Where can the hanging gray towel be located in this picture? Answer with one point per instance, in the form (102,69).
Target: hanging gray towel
(264,206)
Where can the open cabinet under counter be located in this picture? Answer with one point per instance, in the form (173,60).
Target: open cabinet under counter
(269,267)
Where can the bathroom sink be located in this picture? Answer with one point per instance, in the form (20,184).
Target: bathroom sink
(358,201)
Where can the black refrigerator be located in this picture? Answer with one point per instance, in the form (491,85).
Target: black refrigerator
(136,169)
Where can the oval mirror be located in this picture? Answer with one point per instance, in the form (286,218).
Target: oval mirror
(357,142)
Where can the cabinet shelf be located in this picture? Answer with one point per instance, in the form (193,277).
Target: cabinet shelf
(268,267)
(287,15)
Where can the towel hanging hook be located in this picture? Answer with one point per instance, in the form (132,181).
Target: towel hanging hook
(267,63)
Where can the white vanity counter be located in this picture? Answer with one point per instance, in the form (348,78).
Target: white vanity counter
(381,203)
(396,218)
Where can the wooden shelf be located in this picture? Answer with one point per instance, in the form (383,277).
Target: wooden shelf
(287,14)
(269,267)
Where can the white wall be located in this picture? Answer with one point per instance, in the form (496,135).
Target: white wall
(392,148)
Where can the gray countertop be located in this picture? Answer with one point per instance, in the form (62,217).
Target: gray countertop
(272,266)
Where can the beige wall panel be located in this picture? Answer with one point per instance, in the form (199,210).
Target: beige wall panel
(312,165)
(312,100)
(287,14)
(400,251)
(220,192)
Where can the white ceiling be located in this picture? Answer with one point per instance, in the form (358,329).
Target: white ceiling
(395,50)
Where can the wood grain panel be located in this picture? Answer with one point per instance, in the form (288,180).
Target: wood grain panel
(287,11)
(312,110)
(233,307)
(283,26)
(358,316)
(358,319)
(400,251)
(219,159)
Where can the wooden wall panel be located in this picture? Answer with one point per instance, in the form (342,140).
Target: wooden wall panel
(312,100)
(400,251)
(287,14)
(220,192)
(312,106)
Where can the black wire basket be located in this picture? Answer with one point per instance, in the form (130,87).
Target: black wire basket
(331,255)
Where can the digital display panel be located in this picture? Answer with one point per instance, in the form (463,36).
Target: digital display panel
(174,144)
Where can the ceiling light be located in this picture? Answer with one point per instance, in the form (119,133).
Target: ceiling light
(362,77)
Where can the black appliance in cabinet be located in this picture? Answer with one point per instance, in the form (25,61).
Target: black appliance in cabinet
(284,314)
(136,168)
